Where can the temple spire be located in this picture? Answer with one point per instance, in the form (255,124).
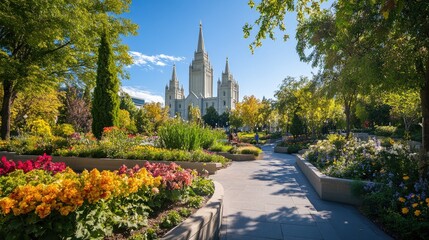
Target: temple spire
(173,76)
(227,66)
(201,40)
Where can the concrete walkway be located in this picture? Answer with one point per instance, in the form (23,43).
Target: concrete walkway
(272,199)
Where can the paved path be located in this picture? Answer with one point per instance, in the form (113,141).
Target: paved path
(272,199)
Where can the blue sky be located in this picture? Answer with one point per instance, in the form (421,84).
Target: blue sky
(168,34)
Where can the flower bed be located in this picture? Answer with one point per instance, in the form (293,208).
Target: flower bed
(115,143)
(397,196)
(80,163)
(51,204)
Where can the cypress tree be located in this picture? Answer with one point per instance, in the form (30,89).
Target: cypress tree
(105,105)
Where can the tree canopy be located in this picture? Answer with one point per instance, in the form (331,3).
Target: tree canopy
(44,42)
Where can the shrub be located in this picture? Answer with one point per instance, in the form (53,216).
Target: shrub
(203,186)
(172,219)
(195,201)
(294,148)
(385,131)
(64,130)
(338,140)
(246,150)
(39,127)
(36,145)
(220,147)
(185,212)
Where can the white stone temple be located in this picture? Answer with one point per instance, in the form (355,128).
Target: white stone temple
(201,87)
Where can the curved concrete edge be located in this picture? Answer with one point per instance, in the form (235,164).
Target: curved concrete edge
(203,224)
(329,188)
(81,163)
(278,149)
(241,157)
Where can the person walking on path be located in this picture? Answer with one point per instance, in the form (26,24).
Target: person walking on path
(257,138)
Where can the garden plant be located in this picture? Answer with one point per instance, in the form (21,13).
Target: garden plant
(44,200)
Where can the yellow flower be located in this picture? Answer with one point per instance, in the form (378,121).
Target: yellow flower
(405,178)
(427,200)
(405,210)
(417,213)
(6,204)
(415,205)
(43,210)
(401,199)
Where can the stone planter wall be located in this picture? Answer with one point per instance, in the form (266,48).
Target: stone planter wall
(328,188)
(278,149)
(81,163)
(203,224)
(241,157)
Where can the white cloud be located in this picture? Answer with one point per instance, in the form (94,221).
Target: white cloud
(143,94)
(140,59)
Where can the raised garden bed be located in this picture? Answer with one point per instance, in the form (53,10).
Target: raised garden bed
(203,224)
(278,149)
(79,163)
(328,188)
(241,157)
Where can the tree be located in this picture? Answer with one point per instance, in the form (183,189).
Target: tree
(77,110)
(286,101)
(297,126)
(105,105)
(33,104)
(396,31)
(248,110)
(211,117)
(224,119)
(194,114)
(127,103)
(124,120)
(235,119)
(406,106)
(265,112)
(143,124)
(45,42)
(156,114)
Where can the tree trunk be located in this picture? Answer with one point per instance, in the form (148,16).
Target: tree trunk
(424,95)
(347,111)
(5,110)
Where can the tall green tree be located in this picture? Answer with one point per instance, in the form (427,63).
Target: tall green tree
(105,106)
(211,117)
(127,103)
(45,42)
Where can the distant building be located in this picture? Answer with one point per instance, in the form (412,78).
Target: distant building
(201,87)
(139,102)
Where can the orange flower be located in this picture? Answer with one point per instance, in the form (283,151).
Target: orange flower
(417,213)
(43,210)
(6,204)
